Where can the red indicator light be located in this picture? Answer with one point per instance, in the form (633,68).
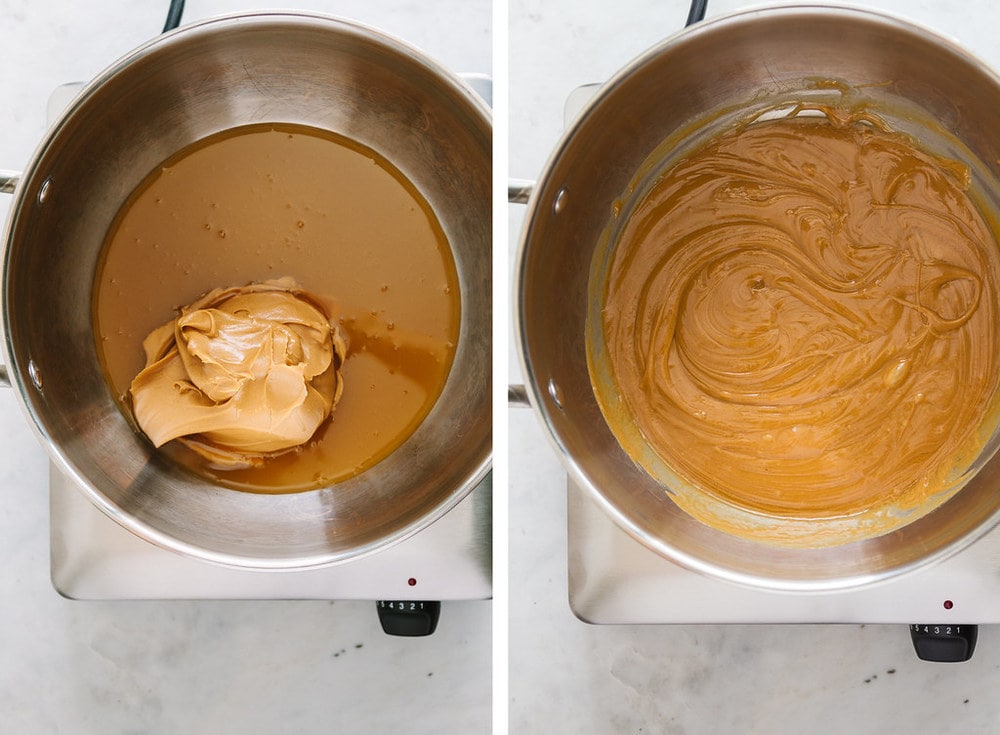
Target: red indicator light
(948,604)
(412,582)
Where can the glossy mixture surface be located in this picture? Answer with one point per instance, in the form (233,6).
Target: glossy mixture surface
(243,375)
(287,201)
(802,318)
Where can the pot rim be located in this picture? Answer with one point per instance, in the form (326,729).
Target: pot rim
(546,193)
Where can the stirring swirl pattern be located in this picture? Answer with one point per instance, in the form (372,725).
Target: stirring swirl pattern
(802,318)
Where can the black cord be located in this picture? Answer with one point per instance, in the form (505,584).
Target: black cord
(174,13)
(697,11)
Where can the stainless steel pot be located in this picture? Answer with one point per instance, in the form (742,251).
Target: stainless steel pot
(926,85)
(175,90)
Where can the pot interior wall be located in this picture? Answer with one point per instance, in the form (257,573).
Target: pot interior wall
(176,90)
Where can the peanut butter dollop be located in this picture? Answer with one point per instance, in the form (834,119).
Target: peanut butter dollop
(803,318)
(242,374)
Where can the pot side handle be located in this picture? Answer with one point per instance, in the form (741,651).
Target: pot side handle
(517,396)
(518,192)
(8,182)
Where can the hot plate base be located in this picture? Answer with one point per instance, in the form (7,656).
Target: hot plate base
(613,579)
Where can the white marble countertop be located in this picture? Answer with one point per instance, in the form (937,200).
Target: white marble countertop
(566,676)
(262,667)
(204,667)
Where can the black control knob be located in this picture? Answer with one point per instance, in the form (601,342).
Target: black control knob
(944,643)
(408,617)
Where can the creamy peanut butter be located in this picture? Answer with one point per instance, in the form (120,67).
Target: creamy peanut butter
(801,318)
(241,375)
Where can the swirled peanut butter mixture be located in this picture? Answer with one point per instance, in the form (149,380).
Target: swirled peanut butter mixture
(802,318)
(242,374)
